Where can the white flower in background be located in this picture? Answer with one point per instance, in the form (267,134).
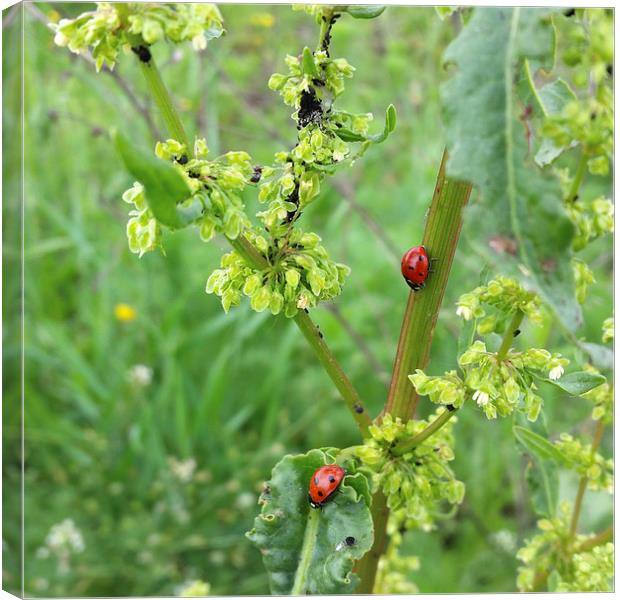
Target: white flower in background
(481,398)
(193,589)
(140,375)
(183,470)
(245,500)
(556,372)
(43,552)
(65,536)
(505,539)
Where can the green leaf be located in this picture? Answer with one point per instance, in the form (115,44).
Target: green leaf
(164,186)
(304,549)
(579,382)
(347,135)
(307,62)
(536,444)
(488,146)
(367,11)
(390,125)
(554,96)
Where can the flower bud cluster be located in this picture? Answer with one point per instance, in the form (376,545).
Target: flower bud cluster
(506,296)
(143,230)
(393,569)
(548,554)
(417,482)
(584,277)
(588,119)
(216,183)
(591,220)
(603,399)
(580,458)
(297,276)
(499,386)
(115,26)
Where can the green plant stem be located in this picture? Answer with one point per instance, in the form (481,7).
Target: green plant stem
(441,235)
(432,428)
(312,334)
(509,336)
(161,96)
(579,175)
(583,482)
(602,537)
(326,25)
(307,550)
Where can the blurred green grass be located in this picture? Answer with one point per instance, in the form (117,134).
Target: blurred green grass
(231,392)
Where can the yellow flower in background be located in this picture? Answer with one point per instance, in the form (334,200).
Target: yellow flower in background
(124,312)
(262,20)
(53,16)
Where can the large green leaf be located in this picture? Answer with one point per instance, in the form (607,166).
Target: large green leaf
(306,550)
(165,189)
(488,146)
(537,445)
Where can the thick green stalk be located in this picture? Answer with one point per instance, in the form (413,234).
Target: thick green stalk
(432,428)
(509,336)
(441,235)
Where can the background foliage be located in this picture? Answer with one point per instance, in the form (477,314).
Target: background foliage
(159,480)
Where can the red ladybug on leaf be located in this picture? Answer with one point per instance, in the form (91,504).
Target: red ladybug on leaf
(415,267)
(324,483)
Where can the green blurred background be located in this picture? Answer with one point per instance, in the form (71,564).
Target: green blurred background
(160,478)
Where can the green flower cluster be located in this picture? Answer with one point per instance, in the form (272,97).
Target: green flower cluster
(498,386)
(393,568)
(143,230)
(215,183)
(298,274)
(591,220)
(584,277)
(588,52)
(608,330)
(506,296)
(603,399)
(418,481)
(581,459)
(547,556)
(119,26)
(593,571)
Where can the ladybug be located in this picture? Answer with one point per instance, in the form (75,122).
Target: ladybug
(324,483)
(415,267)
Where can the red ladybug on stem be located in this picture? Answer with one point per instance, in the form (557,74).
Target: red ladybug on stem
(415,267)
(324,483)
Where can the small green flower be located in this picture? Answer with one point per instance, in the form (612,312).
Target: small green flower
(608,330)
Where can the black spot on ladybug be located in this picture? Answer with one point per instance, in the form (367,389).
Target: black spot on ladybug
(320,493)
(410,268)
(569,13)
(516,332)
(332,479)
(420,258)
(142,52)
(349,540)
(182,160)
(358,409)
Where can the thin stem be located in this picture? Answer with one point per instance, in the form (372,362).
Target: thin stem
(583,482)
(602,537)
(326,26)
(509,336)
(161,96)
(432,428)
(312,334)
(334,370)
(307,550)
(573,194)
(441,235)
